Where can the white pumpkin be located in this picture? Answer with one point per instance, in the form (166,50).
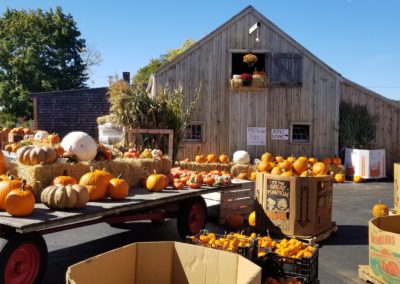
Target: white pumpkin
(40,135)
(241,157)
(80,144)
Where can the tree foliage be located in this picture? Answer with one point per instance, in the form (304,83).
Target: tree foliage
(39,51)
(143,74)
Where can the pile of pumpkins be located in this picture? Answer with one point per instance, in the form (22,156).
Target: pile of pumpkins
(210,158)
(300,166)
(178,178)
(18,198)
(135,152)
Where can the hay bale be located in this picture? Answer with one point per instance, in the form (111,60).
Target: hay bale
(132,170)
(206,167)
(242,168)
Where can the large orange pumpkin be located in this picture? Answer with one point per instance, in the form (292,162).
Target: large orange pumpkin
(96,184)
(319,168)
(20,202)
(155,182)
(64,179)
(300,165)
(276,171)
(6,186)
(286,165)
(264,166)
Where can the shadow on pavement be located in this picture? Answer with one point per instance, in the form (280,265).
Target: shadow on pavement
(347,235)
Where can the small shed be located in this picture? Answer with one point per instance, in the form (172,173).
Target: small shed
(72,110)
(296,112)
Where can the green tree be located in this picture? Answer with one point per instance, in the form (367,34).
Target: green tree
(39,51)
(142,75)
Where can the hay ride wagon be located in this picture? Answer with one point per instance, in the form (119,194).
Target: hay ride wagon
(23,250)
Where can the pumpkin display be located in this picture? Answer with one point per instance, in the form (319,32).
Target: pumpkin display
(6,186)
(96,184)
(241,157)
(59,197)
(358,179)
(118,188)
(80,144)
(339,178)
(234,221)
(41,135)
(20,202)
(223,159)
(252,219)
(155,182)
(380,209)
(64,179)
(212,158)
(2,164)
(34,155)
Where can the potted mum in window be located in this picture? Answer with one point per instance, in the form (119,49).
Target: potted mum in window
(250,59)
(246,79)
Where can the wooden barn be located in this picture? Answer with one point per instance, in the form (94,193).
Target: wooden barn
(295,112)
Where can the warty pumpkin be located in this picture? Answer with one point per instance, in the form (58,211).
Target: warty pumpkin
(69,196)
(380,209)
(20,202)
(34,155)
(96,184)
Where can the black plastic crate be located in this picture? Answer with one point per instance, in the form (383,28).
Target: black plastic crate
(305,268)
(249,252)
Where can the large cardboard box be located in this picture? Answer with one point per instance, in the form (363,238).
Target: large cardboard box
(367,164)
(164,263)
(396,185)
(384,248)
(294,206)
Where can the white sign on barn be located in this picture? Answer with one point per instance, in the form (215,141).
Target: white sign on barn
(256,136)
(280,134)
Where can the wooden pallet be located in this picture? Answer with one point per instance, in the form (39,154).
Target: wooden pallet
(231,201)
(365,275)
(320,237)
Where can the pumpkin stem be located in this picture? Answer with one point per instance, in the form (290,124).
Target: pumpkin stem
(119,176)
(23,185)
(91,168)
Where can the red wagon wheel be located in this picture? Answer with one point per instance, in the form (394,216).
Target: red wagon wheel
(23,258)
(192,216)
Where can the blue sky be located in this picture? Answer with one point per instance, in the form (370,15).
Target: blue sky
(358,38)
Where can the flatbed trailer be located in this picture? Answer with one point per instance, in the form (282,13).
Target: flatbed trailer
(23,250)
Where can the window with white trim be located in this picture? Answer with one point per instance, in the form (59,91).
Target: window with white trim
(194,132)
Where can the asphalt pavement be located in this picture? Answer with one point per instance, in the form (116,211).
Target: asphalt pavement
(339,255)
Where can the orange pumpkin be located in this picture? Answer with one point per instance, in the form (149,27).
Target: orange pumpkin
(118,188)
(53,138)
(20,202)
(223,159)
(339,178)
(300,165)
(252,219)
(336,160)
(64,179)
(200,158)
(209,180)
(212,158)
(155,182)
(358,179)
(312,160)
(279,158)
(267,157)
(286,165)
(253,176)
(264,166)
(6,186)
(106,175)
(276,171)
(291,159)
(319,168)
(96,184)
(327,160)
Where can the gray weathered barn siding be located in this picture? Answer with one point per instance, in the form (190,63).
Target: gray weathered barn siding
(227,113)
(73,110)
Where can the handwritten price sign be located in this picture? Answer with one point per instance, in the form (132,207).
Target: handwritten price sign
(256,136)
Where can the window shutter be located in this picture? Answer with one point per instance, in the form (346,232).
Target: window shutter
(285,69)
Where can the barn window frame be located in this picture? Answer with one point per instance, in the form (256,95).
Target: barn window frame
(298,130)
(196,132)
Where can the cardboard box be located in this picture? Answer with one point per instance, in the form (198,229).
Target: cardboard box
(164,263)
(368,164)
(396,185)
(294,206)
(384,248)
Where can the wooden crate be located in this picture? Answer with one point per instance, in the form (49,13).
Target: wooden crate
(231,201)
(367,276)
(294,206)
(396,185)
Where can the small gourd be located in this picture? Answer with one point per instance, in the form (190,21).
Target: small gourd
(380,209)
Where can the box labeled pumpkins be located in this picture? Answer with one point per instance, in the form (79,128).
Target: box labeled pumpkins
(294,206)
(384,248)
(180,263)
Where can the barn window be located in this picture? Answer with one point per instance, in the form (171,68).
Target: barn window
(300,132)
(194,132)
(285,69)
